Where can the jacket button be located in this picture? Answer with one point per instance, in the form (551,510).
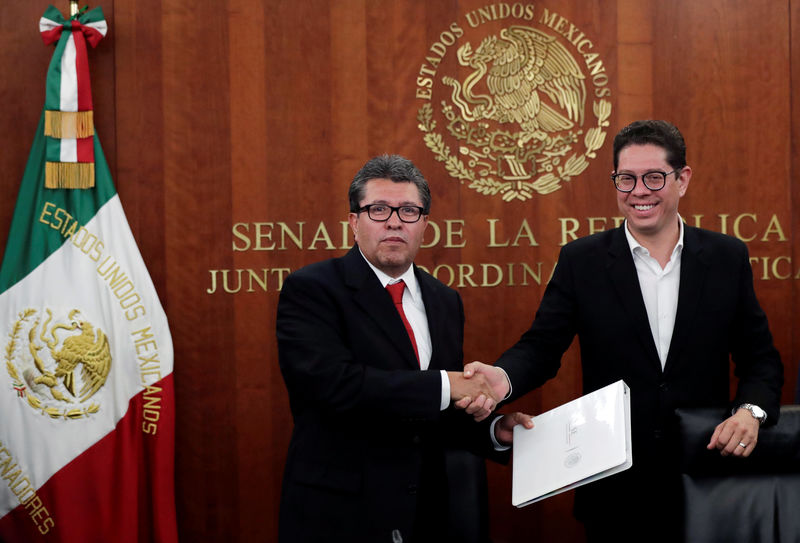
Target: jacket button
(412,489)
(416,440)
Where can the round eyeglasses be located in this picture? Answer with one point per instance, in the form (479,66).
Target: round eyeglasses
(382,212)
(653,180)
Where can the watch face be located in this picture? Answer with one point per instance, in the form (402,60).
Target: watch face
(757,412)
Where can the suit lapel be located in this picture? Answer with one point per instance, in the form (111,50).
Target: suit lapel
(371,298)
(622,272)
(694,270)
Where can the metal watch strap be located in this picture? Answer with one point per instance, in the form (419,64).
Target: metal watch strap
(752,408)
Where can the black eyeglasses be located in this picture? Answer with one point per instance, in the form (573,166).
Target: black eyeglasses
(382,212)
(654,180)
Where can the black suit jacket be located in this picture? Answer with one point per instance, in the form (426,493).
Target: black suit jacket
(595,294)
(369,437)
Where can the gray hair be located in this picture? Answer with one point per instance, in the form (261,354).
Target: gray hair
(394,167)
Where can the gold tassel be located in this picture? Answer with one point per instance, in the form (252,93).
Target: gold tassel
(69,175)
(68,124)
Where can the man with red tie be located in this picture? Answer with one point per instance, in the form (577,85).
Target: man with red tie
(370,348)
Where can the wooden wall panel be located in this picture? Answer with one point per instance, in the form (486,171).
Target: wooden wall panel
(249,114)
(724,76)
(791,362)
(197,168)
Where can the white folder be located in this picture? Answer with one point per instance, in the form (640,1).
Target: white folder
(576,443)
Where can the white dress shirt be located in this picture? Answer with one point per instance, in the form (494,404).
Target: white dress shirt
(414,308)
(659,288)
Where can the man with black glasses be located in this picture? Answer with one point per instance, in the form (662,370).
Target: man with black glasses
(370,348)
(665,307)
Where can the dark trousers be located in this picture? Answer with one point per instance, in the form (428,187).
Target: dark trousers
(637,505)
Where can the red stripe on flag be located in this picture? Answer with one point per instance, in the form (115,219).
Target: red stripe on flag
(85,146)
(121,489)
(52,35)
(93,36)
(85,149)
(82,69)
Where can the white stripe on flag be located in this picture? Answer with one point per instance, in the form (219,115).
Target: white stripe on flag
(100,26)
(68,149)
(69,77)
(98,272)
(47,24)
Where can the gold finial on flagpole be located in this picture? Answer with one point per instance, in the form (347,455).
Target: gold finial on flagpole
(73,7)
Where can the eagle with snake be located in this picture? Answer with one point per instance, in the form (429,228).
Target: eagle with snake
(89,349)
(517,67)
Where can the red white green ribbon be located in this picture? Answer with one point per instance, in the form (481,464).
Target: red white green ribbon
(69,124)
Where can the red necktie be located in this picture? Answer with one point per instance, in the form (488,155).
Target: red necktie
(396,292)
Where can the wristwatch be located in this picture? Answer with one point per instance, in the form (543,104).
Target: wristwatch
(759,414)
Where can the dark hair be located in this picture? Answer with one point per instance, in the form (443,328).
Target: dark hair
(394,167)
(660,133)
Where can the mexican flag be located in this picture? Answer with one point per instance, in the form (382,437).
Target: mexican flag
(86,391)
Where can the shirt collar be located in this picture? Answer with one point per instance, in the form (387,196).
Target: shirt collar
(633,244)
(408,277)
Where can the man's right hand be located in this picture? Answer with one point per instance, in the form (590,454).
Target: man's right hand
(478,407)
(465,390)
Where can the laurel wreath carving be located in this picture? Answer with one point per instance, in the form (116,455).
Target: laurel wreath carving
(545,184)
(19,384)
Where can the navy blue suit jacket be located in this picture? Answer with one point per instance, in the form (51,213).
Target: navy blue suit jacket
(369,436)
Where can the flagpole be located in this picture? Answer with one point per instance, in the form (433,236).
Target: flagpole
(73,7)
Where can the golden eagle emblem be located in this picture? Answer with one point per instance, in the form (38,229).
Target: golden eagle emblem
(517,116)
(517,67)
(65,364)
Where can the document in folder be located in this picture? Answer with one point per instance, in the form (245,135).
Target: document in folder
(574,444)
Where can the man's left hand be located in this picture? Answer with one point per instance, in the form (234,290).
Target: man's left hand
(504,429)
(736,435)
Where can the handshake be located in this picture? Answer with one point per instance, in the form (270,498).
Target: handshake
(478,390)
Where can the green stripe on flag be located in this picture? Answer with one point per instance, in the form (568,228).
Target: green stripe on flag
(52,149)
(92,16)
(52,13)
(44,218)
(52,96)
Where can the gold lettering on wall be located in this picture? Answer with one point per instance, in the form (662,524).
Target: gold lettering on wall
(261,236)
(534,269)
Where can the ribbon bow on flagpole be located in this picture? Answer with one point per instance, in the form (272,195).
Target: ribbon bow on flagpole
(52,24)
(69,123)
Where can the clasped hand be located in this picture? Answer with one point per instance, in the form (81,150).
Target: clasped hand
(478,389)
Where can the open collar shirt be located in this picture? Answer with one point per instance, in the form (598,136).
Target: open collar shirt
(659,288)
